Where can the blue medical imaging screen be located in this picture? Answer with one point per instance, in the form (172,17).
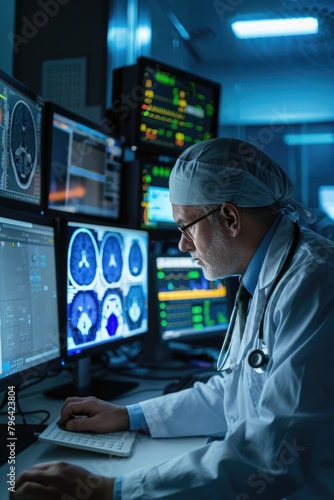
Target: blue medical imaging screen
(107,285)
(21,115)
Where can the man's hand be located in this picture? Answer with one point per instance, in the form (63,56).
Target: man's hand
(96,415)
(56,480)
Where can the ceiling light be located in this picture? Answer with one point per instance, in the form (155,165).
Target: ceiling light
(301,139)
(178,26)
(275,27)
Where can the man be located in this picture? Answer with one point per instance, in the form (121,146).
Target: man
(273,398)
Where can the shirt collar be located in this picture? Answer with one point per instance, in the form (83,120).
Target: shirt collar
(251,276)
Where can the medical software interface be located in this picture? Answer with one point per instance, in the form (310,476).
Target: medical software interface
(178,110)
(189,304)
(85,169)
(28,296)
(156,209)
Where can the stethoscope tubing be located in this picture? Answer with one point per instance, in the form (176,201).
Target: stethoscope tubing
(225,350)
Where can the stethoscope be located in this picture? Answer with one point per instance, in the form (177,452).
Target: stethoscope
(258,358)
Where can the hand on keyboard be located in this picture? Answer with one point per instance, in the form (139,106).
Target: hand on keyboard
(100,416)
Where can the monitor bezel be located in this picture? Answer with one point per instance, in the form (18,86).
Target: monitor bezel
(15,204)
(102,347)
(41,369)
(50,109)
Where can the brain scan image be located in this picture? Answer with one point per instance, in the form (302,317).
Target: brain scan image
(135,259)
(112,259)
(82,260)
(83,317)
(23,144)
(135,303)
(112,314)
(107,285)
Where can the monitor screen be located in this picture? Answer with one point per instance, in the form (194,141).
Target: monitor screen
(326,200)
(21,115)
(156,209)
(162,109)
(106,286)
(29,323)
(84,166)
(189,306)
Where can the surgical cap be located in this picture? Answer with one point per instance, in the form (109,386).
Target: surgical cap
(220,170)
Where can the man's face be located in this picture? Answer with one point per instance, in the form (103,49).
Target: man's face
(211,245)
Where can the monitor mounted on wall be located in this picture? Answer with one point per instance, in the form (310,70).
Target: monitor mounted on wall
(21,156)
(162,109)
(146,184)
(84,166)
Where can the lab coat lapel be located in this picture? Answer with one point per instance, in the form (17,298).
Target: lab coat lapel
(274,260)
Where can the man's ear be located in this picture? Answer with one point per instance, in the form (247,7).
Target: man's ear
(231,218)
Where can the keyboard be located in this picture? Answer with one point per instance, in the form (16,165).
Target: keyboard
(113,443)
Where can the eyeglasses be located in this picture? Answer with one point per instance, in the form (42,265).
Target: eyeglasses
(184,229)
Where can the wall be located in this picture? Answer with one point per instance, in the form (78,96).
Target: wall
(60,29)
(6,27)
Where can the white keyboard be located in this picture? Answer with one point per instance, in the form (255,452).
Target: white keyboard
(112,443)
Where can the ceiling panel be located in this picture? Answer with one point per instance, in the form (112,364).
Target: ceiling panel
(258,75)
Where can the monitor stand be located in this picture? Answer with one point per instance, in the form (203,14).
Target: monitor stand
(84,384)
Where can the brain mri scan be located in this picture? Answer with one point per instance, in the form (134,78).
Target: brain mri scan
(83,258)
(112,313)
(83,317)
(111,258)
(23,144)
(135,259)
(135,303)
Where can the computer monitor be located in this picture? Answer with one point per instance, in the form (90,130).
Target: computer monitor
(188,305)
(21,173)
(162,109)
(105,287)
(155,207)
(29,322)
(326,200)
(84,166)
(146,184)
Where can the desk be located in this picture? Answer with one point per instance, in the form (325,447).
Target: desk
(146,451)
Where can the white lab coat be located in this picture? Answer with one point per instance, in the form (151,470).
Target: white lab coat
(279,424)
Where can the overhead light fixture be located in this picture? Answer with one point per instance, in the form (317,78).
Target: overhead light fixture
(308,139)
(275,27)
(178,26)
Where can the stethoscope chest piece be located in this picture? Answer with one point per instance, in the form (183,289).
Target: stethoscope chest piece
(258,359)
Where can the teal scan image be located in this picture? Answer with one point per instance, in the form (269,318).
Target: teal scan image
(107,285)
